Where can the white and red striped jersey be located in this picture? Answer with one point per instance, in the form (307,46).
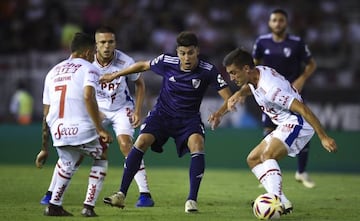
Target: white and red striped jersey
(274,94)
(68,119)
(115,95)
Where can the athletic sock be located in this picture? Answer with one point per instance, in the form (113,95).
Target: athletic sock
(53,178)
(141,179)
(196,173)
(302,159)
(273,177)
(62,180)
(259,172)
(96,180)
(132,165)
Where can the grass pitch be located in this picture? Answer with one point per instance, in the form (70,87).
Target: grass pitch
(224,195)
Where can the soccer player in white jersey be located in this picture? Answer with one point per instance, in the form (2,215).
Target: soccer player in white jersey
(71,116)
(115,101)
(116,105)
(282,103)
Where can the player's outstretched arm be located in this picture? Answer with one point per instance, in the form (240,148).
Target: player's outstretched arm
(238,97)
(328,143)
(137,67)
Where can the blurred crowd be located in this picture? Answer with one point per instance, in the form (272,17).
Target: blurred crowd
(35,34)
(331,28)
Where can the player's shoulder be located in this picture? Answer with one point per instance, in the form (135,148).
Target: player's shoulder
(205,65)
(266,74)
(165,59)
(264,37)
(122,58)
(295,38)
(171,59)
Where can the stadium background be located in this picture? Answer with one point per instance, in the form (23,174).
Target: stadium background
(35,36)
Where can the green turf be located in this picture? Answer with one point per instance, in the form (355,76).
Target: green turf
(224,195)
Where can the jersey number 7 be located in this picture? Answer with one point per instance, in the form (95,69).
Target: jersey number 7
(61,88)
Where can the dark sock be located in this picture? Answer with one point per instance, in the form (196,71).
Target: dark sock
(303,158)
(196,172)
(132,165)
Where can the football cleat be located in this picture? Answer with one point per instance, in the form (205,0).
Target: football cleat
(191,206)
(54,210)
(287,208)
(88,211)
(304,178)
(46,198)
(117,199)
(145,201)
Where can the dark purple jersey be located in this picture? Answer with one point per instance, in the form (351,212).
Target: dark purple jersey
(182,91)
(286,57)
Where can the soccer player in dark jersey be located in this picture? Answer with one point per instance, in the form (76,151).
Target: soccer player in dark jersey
(176,114)
(290,56)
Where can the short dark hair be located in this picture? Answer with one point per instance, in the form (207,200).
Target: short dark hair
(280,11)
(105,29)
(186,39)
(81,41)
(239,57)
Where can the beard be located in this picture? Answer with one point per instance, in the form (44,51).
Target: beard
(279,32)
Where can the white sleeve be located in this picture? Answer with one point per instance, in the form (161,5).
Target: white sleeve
(91,77)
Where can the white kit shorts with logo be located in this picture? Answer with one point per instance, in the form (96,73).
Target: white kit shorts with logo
(69,155)
(119,120)
(294,137)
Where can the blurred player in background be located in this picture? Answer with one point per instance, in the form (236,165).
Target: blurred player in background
(116,105)
(22,104)
(176,114)
(295,122)
(71,114)
(287,54)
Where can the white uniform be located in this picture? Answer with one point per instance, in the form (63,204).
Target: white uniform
(114,98)
(274,95)
(68,119)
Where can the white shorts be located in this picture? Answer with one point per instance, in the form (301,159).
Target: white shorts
(119,121)
(294,137)
(69,155)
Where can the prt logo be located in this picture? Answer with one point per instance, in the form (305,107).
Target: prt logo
(65,131)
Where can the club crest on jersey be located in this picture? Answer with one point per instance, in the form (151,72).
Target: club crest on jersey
(287,52)
(172,79)
(196,83)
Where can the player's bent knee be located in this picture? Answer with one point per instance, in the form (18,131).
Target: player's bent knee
(252,160)
(67,170)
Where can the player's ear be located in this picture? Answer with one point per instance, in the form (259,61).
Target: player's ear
(246,68)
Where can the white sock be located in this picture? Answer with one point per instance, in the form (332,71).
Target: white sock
(96,180)
(53,178)
(61,182)
(141,179)
(259,172)
(274,178)
(56,169)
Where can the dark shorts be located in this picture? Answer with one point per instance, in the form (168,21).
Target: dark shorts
(163,127)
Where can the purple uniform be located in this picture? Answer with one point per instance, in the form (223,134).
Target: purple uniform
(176,113)
(286,57)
